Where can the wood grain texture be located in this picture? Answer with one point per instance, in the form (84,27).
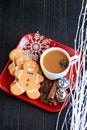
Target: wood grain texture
(55,19)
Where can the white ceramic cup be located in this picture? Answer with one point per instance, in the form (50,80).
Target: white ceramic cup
(53,76)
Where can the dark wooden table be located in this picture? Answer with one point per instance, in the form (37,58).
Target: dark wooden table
(55,19)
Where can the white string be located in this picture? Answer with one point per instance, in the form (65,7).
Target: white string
(78,104)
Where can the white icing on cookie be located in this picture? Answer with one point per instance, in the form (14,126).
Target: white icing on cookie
(33,90)
(29,69)
(16,68)
(21,59)
(27,58)
(13,63)
(37,76)
(20,87)
(33,65)
(14,53)
(20,74)
(19,51)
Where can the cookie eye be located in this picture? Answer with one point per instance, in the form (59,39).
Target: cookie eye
(14,53)
(33,65)
(27,59)
(21,59)
(19,51)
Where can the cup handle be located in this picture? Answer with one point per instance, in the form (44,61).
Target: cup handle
(74,59)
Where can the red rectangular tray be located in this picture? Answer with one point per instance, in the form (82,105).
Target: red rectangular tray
(29,39)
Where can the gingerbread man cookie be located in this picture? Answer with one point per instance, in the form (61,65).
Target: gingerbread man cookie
(12,68)
(18,57)
(21,60)
(15,53)
(28,80)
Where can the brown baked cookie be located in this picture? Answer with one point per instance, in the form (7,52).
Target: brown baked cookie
(12,67)
(31,66)
(15,53)
(28,80)
(21,60)
(18,56)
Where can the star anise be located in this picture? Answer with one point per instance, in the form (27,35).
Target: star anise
(64,63)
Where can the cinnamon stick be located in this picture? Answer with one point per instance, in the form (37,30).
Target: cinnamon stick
(52,92)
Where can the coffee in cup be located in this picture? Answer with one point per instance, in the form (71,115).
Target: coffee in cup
(55,62)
